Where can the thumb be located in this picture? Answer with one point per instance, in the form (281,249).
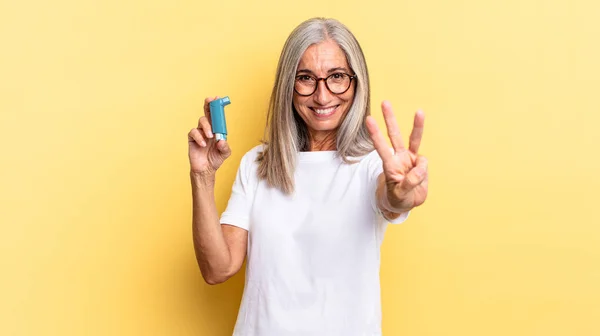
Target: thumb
(415,177)
(223,148)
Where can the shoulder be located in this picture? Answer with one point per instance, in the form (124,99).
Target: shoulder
(372,164)
(249,162)
(370,158)
(372,155)
(251,155)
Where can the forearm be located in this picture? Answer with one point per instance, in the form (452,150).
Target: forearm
(212,253)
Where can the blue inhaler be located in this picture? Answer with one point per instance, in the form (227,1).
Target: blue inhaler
(217,117)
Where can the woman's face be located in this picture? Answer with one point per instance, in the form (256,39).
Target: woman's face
(323,111)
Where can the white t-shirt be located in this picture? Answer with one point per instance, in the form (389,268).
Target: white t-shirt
(313,257)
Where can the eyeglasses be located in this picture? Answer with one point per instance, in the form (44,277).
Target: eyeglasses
(337,83)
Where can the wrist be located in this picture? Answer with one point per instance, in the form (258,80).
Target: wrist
(385,199)
(387,206)
(202,179)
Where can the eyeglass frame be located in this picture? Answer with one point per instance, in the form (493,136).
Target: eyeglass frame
(318,79)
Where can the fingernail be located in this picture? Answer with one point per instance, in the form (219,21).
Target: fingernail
(203,144)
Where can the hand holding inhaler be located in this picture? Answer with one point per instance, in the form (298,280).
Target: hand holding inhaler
(208,146)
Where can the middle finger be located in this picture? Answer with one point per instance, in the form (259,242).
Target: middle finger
(204,126)
(417,132)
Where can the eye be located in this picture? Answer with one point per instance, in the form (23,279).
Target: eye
(305,79)
(338,77)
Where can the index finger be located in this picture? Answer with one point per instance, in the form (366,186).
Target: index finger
(392,126)
(378,140)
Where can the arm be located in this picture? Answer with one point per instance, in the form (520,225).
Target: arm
(220,249)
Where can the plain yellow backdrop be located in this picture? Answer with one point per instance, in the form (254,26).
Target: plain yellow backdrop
(97,97)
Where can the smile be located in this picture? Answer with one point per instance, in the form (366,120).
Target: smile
(324,112)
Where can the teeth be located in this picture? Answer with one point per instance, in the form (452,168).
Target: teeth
(325,111)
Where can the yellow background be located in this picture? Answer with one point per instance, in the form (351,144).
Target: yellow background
(97,97)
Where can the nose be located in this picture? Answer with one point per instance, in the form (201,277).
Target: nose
(322,96)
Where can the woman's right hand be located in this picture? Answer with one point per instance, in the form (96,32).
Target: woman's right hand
(205,154)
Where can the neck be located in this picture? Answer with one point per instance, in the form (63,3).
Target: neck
(322,141)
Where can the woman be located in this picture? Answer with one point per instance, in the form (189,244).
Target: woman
(309,207)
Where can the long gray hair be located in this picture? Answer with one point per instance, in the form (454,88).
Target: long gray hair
(286,133)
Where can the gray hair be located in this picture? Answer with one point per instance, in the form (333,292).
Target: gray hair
(286,133)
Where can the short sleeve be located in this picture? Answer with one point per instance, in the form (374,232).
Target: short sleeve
(239,205)
(374,167)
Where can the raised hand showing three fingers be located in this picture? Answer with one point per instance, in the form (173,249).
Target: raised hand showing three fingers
(405,171)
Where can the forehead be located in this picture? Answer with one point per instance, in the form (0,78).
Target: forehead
(321,57)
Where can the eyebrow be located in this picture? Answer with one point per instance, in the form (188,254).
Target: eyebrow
(328,71)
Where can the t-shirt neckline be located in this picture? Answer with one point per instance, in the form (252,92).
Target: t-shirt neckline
(317,155)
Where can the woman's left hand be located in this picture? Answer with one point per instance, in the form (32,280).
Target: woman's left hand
(405,171)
